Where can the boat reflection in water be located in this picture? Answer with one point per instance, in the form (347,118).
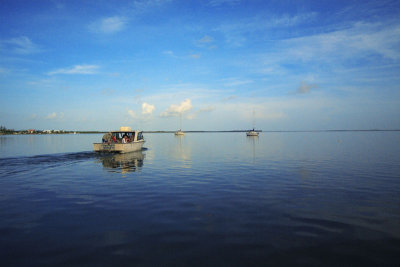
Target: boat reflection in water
(122,163)
(253,139)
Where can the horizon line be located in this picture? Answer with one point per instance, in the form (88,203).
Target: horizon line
(259,130)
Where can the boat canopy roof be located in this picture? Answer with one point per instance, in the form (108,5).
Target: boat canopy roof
(125,130)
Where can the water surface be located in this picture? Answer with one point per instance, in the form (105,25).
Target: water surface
(326,198)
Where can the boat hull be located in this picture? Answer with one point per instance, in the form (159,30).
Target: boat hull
(252,133)
(116,147)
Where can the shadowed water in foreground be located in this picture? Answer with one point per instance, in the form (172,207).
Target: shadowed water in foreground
(204,198)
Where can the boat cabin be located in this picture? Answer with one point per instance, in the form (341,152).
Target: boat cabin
(123,136)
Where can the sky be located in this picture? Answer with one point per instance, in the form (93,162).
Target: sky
(200,65)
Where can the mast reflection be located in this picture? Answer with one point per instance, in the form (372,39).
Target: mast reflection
(253,139)
(122,163)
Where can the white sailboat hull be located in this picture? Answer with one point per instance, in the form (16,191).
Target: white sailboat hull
(252,133)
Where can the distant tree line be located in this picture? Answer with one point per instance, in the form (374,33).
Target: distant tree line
(4,130)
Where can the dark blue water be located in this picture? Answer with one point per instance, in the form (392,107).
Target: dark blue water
(221,199)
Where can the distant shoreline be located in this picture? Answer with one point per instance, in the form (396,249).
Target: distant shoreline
(278,131)
(205,131)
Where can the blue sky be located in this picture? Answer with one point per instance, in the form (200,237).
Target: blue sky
(299,65)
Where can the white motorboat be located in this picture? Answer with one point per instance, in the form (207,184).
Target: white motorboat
(122,141)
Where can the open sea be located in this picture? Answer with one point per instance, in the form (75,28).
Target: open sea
(203,199)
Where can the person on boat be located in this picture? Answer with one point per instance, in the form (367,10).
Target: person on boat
(114,139)
(107,138)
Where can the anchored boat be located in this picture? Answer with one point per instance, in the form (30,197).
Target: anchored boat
(179,132)
(252,133)
(122,141)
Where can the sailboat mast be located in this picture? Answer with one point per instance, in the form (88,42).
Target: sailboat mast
(254,119)
(180,121)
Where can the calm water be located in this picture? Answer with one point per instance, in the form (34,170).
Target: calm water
(312,199)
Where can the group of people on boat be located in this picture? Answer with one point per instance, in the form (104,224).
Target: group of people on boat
(111,138)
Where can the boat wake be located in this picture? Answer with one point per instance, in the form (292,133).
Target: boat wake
(18,164)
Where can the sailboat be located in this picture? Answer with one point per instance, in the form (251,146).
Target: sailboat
(179,132)
(253,132)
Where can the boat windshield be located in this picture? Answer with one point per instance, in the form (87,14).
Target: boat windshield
(140,136)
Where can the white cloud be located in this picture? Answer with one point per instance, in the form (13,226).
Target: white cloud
(77,69)
(21,45)
(175,110)
(55,116)
(147,108)
(109,25)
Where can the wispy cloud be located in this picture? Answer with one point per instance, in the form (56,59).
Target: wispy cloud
(175,110)
(237,33)
(195,56)
(229,82)
(147,109)
(216,3)
(206,39)
(77,69)
(20,45)
(55,116)
(33,116)
(142,6)
(42,82)
(169,53)
(194,114)
(288,21)
(206,42)
(359,40)
(207,109)
(109,25)
(131,114)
